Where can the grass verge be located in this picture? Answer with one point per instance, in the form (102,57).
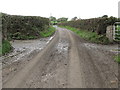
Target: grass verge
(0,50)
(117,58)
(6,47)
(48,32)
(22,37)
(91,36)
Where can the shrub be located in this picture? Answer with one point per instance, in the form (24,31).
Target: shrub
(6,47)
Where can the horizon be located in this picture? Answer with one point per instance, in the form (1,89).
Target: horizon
(69,9)
(59,17)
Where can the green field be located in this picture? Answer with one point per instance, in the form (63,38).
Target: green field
(118,27)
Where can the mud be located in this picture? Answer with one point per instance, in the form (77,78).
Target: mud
(23,52)
(65,61)
(24,48)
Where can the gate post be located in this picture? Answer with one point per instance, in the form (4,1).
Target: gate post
(110,32)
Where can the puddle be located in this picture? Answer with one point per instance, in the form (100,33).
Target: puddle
(111,48)
(89,46)
(50,39)
(116,50)
(62,46)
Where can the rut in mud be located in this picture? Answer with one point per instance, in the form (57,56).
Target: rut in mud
(67,61)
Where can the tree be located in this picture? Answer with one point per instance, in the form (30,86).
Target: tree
(105,16)
(74,19)
(52,18)
(63,19)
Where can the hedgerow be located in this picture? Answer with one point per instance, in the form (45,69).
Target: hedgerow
(18,27)
(97,25)
(21,27)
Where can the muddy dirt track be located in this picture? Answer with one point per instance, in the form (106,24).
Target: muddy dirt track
(66,62)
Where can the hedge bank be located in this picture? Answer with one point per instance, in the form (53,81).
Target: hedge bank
(20,27)
(97,25)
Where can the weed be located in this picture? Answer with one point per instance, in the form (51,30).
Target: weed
(117,58)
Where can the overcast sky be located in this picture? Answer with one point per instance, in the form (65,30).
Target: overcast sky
(61,8)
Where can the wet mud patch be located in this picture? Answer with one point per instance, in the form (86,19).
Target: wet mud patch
(107,48)
(24,48)
(56,75)
(24,51)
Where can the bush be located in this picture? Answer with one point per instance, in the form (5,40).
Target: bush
(6,47)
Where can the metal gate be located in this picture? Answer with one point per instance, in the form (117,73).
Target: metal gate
(116,31)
